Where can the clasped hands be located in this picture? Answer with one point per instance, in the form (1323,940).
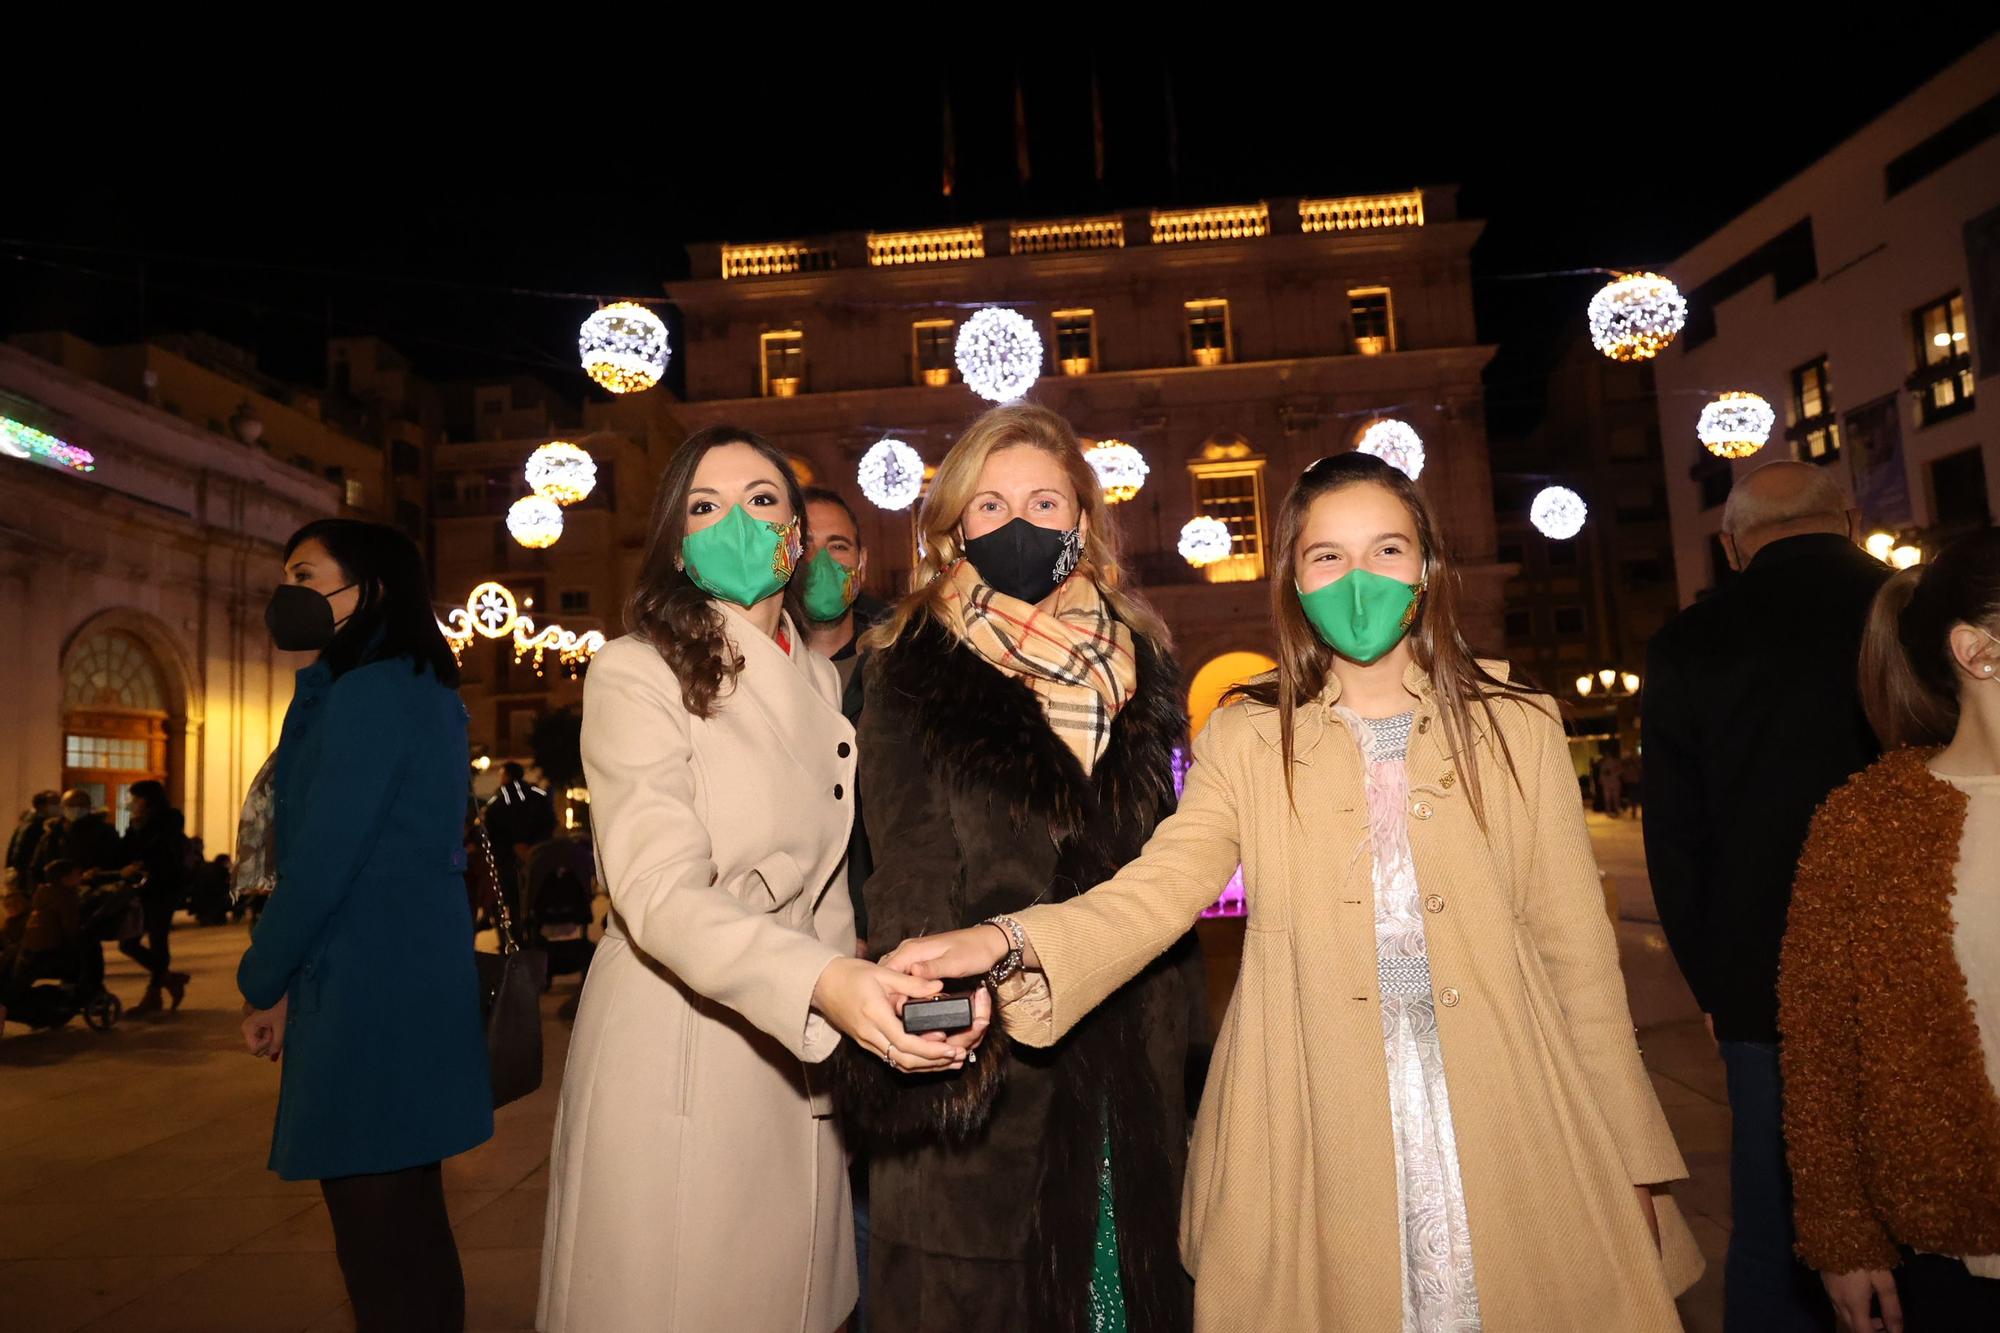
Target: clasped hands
(865,1000)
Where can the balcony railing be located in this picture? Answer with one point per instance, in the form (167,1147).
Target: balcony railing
(1234,222)
(773,260)
(890,249)
(1048,238)
(1362,212)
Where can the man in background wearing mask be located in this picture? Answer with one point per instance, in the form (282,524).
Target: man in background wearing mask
(47,805)
(80,835)
(838,614)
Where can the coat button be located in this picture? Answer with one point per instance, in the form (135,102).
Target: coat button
(1434,904)
(1448,778)
(836,791)
(1448,997)
(844,750)
(1422,809)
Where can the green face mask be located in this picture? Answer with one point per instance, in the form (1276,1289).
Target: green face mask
(831,587)
(1362,615)
(741,559)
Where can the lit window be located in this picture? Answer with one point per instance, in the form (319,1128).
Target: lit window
(1208,332)
(935,350)
(1374,325)
(1809,423)
(1943,382)
(784,363)
(357,494)
(1076,341)
(1233,491)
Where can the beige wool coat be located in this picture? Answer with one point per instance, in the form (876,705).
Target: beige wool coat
(698,1182)
(1289,1213)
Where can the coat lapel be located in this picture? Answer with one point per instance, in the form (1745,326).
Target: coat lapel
(779,688)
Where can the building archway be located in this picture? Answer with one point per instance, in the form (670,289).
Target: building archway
(1205,691)
(124,714)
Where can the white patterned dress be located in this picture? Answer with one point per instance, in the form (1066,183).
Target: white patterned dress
(1439,1294)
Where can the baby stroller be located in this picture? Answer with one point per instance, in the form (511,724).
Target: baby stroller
(48,991)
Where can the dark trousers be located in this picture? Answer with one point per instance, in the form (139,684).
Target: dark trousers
(153,955)
(1939,1294)
(1765,1289)
(396,1251)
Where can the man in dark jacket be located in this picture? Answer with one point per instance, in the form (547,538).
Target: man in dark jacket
(78,834)
(47,805)
(1752,716)
(518,816)
(156,841)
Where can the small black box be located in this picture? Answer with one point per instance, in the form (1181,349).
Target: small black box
(943,1013)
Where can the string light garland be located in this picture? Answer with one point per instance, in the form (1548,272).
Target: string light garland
(1204,540)
(1395,443)
(624,347)
(891,474)
(492,612)
(1121,469)
(20,440)
(1736,425)
(1558,513)
(1636,316)
(999,354)
(535,521)
(562,472)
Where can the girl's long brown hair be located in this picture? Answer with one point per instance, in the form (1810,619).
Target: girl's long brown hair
(1909,681)
(670,610)
(952,489)
(1465,689)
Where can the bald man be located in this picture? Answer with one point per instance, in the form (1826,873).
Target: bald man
(1751,717)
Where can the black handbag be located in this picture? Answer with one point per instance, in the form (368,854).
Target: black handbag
(511,983)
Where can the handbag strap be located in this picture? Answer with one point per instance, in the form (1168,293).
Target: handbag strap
(508,943)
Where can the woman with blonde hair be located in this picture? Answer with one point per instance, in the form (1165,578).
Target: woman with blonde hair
(1017,746)
(1889,982)
(1427,1110)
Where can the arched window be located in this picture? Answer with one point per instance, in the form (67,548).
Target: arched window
(114,718)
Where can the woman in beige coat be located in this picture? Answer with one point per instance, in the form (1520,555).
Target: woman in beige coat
(697,1182)
(1426,1110)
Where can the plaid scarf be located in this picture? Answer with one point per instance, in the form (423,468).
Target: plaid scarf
(1076,657)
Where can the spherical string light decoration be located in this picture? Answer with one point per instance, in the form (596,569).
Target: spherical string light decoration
(1395,443)
(1735,425)
(1558,512)
(999,354)
(561,471)
(535,521)
(624,347)
(1204,541)
(891,474)
(1636,316)
(1121,469)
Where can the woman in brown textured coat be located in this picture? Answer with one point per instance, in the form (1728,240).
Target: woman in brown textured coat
(1889,990)
(1426,1111)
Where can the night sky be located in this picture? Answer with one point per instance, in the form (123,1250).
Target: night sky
(275,225)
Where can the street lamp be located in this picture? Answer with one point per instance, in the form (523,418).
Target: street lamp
(1609,683)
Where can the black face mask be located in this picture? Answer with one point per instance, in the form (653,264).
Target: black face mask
(300,619)
(1025,561)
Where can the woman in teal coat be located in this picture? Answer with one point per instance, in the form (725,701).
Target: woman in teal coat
(361,971)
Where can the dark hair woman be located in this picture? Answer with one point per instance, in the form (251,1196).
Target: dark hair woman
(1427,1109)
(1889,983)
(697,1180)
(1017,745)
(360,972)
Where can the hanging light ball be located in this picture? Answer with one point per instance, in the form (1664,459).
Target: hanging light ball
(1121,469)
(1558,512)
(891,474)
(1635,317)
(1735,425)
(999,354)
(535,521)
(624,347)
(1395,443)
(1204,541)
(561,471)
